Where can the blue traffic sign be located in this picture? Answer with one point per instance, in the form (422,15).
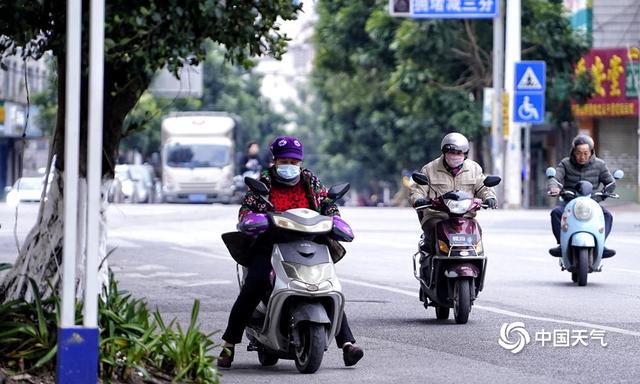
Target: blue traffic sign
(459,9)
(529,108)
(530,76)
(529,88)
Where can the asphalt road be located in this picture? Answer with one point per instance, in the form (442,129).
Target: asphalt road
(172,254)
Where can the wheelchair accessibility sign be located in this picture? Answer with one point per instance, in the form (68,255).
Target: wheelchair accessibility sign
(529,109)
(528,101)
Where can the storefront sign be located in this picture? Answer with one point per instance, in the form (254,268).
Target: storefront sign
(608,69)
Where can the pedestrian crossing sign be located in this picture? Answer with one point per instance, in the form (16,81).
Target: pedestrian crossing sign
(530,76)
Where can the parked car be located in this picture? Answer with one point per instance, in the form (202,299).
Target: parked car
(25,189)
(130,186)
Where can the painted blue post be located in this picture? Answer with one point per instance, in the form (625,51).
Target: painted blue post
(77,355)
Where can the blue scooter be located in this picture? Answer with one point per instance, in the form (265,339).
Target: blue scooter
(582,233)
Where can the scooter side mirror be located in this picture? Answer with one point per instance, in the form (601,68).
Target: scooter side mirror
(256,186)
(337,191)
(491,181)
(618,174)
(420,178)
(550,172)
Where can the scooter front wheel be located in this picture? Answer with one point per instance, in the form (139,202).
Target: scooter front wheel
(583,266)
(311,349)
(461,300)
(442,313)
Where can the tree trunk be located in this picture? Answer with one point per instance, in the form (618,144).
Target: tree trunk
(40,257)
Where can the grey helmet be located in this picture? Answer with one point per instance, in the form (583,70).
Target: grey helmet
(580,140)
(455,141)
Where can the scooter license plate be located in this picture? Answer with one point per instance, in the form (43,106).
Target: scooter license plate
(462,239)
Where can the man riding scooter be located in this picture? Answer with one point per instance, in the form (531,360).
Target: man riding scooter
(582,164)
(449,172)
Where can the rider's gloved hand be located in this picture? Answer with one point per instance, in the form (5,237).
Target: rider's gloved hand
(420,202)
(341,230)
(491,202)
(254,224)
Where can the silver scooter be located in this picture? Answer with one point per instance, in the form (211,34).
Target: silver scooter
(302,314)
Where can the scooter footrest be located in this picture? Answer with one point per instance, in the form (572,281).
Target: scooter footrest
(555,252)
(608,253)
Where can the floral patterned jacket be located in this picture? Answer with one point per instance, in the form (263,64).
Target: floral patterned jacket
(315,191)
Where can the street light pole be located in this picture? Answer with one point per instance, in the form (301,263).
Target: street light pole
(497,150)
(513,151)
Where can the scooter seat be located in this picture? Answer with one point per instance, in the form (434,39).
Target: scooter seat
(555,252)
(606,253)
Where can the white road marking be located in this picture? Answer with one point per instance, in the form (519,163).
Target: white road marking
(502,311)
(158,274)
(481,307)
(197,283)
(210,255)
(150,267)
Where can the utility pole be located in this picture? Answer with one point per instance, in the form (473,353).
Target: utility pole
(497,149)
(513,150)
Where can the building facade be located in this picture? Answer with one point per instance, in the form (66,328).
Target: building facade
(612,115)
(23,148)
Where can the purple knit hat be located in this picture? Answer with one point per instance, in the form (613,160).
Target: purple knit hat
(287,146)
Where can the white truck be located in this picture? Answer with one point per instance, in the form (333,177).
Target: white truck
(198,157)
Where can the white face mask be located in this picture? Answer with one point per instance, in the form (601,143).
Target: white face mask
(454,161)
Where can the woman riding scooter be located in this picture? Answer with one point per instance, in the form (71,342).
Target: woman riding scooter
(290,187)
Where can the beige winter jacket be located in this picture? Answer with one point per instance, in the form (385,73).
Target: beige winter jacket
(468,180)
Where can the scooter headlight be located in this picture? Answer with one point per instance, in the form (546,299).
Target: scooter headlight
(582,211)
(458,206)
(310,274)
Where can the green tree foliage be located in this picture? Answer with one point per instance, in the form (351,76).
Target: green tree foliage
(237,90)
(390,87)
(227,87)
(141,38)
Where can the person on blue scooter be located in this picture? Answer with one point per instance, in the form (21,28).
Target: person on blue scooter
(290,186)
(582,164)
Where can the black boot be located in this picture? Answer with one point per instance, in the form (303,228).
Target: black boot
(226,357)
(351,354)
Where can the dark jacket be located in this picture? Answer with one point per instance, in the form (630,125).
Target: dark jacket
(255,163)
(569,173)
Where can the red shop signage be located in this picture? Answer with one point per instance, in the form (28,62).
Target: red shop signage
(612,72)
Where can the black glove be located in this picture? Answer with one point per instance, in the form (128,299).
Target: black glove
(491,202)
(420,202)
